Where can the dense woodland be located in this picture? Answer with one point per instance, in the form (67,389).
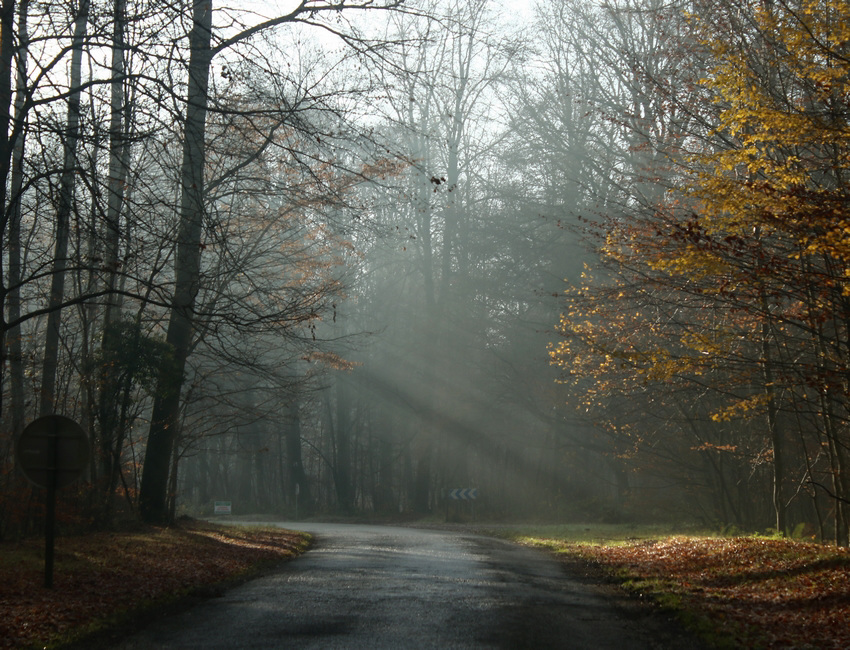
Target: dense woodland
(317,257)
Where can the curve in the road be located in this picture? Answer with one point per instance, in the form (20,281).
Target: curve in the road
(388,587)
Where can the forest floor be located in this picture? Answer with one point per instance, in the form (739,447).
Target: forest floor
(107,583)
(740,592)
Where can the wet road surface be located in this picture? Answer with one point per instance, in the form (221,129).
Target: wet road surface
(388,587)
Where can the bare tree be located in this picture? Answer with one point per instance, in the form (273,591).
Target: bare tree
(165,415)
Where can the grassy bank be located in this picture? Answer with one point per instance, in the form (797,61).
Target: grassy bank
(734,592)
(106,580)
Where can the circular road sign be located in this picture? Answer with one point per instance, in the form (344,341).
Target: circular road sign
(52,446)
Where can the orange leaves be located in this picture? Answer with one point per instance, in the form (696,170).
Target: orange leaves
(707,446)
(780,593)
(103,575)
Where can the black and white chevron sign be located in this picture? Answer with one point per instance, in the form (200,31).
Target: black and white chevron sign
(463,494)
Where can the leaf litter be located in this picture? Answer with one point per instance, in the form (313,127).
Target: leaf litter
(745,592)
(104,578)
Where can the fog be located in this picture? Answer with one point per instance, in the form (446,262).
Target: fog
(340,259)
(441,333)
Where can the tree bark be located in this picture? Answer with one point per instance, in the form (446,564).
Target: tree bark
(63,216)
(776,439)
(153,492)
(7,53)
(111,436)
(342,466)
(118,159)
(16,362)
(298,487)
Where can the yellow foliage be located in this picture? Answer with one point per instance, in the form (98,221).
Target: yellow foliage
(773,169)
(742,408)
(693,262)
(783,99)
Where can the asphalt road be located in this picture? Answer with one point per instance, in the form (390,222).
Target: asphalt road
(388,587)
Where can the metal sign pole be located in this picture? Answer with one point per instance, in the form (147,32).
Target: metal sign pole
(50,508)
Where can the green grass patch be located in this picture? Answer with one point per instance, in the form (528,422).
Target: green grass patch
(607,534)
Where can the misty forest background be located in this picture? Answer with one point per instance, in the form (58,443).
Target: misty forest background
(591,259)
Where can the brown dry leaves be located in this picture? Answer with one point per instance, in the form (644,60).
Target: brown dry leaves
(102,576)
(760,592)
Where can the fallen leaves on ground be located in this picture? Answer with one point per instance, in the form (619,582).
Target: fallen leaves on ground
(749,592)
(102,577)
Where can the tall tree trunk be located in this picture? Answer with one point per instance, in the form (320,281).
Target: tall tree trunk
(110,435)
(777,442)
(119,149)
(298,487)
(16,357)
(165,415)
(421,496)
(7,141)
(63,216)
(342,467)
(383,494)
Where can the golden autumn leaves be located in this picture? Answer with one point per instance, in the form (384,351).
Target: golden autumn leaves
(742,259)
